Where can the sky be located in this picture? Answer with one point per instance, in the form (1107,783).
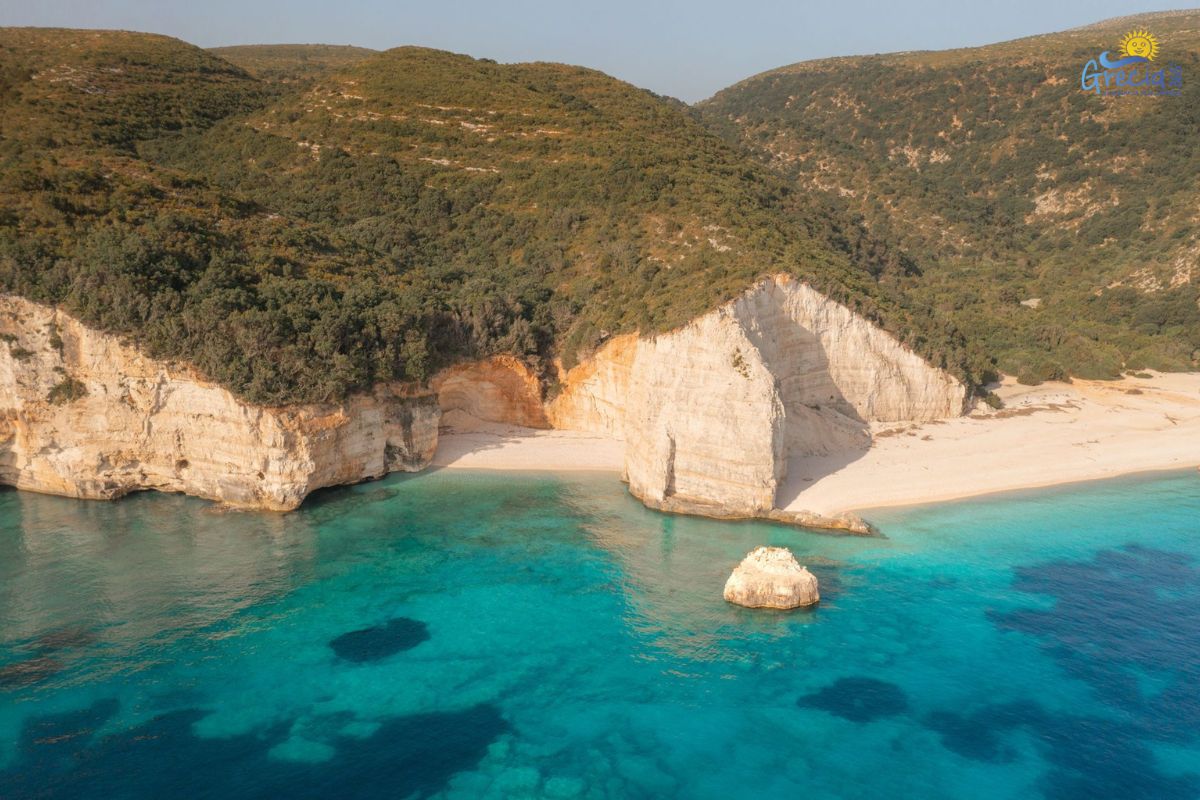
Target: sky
(686,49)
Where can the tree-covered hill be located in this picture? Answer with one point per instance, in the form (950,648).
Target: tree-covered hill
(300,240)
(1061,229)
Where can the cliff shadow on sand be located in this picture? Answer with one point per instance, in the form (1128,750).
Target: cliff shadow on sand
(459,442)
(823,430)
(804,471)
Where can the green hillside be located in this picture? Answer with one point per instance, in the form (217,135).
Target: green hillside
(1004,182)
(291,63)
(300,241)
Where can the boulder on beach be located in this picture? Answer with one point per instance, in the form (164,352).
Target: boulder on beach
(770,577)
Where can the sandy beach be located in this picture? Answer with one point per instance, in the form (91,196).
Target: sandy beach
(1045,435)
(469,444)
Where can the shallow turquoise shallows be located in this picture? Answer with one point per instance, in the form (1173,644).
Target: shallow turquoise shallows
(460,634)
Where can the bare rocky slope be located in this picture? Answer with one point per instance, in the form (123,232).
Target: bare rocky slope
(710,413)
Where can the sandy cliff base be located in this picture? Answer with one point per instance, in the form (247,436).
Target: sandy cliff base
(1049,434)
(484,445)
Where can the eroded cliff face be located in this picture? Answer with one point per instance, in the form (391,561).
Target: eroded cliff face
(83,415)
(712,412)
(497,389)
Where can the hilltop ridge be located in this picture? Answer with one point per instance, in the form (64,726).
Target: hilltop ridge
(291,63)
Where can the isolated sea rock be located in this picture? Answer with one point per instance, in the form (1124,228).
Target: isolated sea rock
(84,415)
(770,577)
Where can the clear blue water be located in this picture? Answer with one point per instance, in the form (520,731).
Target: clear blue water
(478,635)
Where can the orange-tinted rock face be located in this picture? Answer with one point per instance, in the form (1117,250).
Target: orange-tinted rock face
(497,389)
(594,394)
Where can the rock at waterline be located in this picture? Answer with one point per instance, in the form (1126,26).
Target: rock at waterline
(770,577)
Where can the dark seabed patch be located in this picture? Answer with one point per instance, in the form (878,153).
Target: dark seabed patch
(1124,616)
(1090,757)
(858,699)
(979,736)
(409,756)
(71,637)
(44,657)
(50,743)
(381,641)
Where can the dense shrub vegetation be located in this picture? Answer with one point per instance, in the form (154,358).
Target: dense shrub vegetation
(1004,182)
(299,239)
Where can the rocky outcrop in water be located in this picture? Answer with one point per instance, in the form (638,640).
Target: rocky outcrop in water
(83,415)
(770,577)
(712,412)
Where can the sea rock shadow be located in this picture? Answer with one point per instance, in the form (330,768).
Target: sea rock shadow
(859,699)
(378,642)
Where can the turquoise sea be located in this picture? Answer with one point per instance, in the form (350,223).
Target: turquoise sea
(461,634)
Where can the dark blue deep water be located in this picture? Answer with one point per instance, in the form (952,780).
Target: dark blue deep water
(461,634)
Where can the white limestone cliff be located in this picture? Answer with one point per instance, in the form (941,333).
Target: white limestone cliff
(143,424)
(712,412)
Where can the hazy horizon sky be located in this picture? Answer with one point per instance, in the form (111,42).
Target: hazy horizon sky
(685,49)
